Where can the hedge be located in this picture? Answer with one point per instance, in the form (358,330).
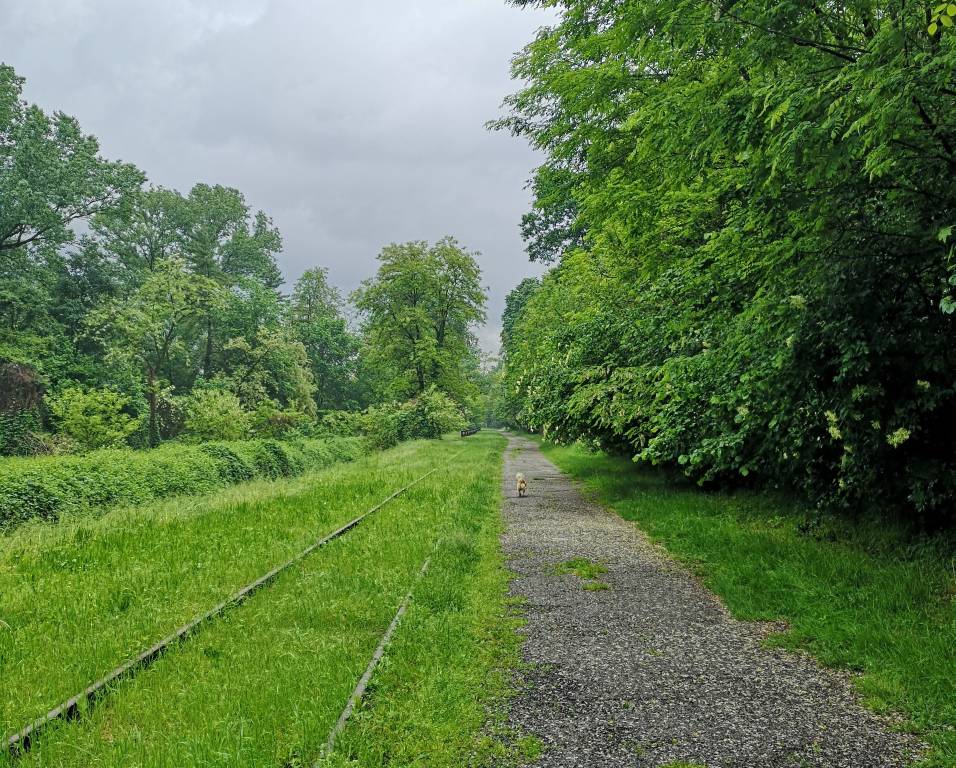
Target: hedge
(49,487)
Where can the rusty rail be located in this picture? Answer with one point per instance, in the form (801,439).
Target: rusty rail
(359,691)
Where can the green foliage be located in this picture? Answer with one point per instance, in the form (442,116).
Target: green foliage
(515,302)
(430,415)
(50,173)
(96,418)
(317,321)
(420,311)
(943,16)
(150,329)
(756,289)
(49,488)
(18,433)
(215,414)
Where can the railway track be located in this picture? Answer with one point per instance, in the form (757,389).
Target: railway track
(20,742)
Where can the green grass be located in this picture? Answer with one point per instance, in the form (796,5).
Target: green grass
(586,570)
(263,684)
(581,567)
(864,597)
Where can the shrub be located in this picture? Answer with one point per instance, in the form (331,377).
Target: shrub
(52,486)
(18,433)
(95,418)
(215,414)
(270,420)
(344,423)
(430,415)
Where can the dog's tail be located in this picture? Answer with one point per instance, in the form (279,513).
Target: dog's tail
(519,477)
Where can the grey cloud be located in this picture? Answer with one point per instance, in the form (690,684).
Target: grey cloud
(353,125)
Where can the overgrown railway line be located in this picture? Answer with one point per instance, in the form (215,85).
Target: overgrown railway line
(21,742)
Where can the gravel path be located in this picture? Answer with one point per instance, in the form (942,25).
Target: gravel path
(654,670)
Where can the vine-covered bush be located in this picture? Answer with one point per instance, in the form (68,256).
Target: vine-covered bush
(49,487)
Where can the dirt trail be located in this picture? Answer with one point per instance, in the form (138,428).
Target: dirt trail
(654,670)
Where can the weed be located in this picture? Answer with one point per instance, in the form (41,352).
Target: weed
(581,567)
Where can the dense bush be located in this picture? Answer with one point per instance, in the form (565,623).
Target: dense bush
(751,208)
(49,487)
(215,414)
(94,418)
(428,416)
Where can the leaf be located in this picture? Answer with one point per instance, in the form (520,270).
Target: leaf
(932,28)
(947,21)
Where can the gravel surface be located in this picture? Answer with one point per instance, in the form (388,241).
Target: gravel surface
(654,670)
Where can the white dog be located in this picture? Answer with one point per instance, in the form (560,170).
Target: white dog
(521,484)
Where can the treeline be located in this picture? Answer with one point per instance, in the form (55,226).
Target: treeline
(750,208)
(131,314)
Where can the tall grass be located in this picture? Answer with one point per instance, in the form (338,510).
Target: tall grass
(78,598)
(860,596)
(264,684)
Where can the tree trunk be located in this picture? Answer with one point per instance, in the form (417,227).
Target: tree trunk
(153,417)
(207,361)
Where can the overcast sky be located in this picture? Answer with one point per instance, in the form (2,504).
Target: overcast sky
(352,125)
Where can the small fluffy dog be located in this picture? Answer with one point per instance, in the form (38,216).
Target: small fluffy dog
(521,485)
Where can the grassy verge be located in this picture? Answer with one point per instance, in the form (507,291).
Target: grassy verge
(448,671)
(78,598)
(859,598)
(264,684)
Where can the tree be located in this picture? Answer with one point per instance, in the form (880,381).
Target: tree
(515,302)
(316,319)
(748,205)
(420,311)
(155,324)
(51,174)
(223,241)
(271,366)
(94,418)
(141,231)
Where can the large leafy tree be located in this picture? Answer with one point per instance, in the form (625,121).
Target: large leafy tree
(420,312)
(317,321)
(142,231)
(749,203)
(515,302)
(225,242)
(51,174)
(153,326)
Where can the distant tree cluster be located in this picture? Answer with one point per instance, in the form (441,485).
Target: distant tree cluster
(132,314)
(750,209)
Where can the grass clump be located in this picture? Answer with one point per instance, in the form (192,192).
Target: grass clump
(862,597)
(586,570)
(581,567)
(52,487)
